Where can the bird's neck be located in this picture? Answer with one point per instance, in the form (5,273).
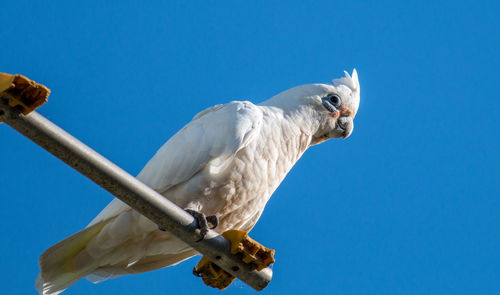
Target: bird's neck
(293,109)
(296,126)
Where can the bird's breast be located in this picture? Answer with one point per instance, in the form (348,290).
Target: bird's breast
(238,196)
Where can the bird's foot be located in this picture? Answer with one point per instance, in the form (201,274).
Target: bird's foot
(250,252)
(212,275)
(203,222)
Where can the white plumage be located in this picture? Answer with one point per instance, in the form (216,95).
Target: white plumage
(226,162)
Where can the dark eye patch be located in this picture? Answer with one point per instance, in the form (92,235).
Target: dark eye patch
(334,100)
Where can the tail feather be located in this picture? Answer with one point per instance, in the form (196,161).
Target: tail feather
(124,244)
(57,268)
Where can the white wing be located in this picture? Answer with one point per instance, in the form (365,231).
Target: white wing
(211,139)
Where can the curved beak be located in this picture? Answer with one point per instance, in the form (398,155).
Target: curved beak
(344,126)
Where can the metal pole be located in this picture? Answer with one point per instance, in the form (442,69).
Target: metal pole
(136,194)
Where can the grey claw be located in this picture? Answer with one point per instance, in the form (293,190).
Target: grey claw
(213,220)
(202,222)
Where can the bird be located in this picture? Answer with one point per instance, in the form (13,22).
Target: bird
(224,164)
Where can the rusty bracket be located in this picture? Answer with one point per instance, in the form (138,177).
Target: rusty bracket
(22,93)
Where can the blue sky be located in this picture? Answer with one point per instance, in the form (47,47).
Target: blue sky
(409,204)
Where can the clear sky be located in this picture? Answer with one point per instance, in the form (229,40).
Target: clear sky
(409,204)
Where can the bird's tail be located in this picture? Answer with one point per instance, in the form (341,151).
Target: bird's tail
(59,265)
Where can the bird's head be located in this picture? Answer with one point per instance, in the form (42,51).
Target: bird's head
(337,105)
(330,108)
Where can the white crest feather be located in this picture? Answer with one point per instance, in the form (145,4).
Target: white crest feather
(352,83)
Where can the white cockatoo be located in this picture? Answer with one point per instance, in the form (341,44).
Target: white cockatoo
(226,163)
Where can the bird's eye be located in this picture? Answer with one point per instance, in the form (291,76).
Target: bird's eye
(334,100)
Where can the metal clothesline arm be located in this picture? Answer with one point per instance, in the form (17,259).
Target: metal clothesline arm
(127,188)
